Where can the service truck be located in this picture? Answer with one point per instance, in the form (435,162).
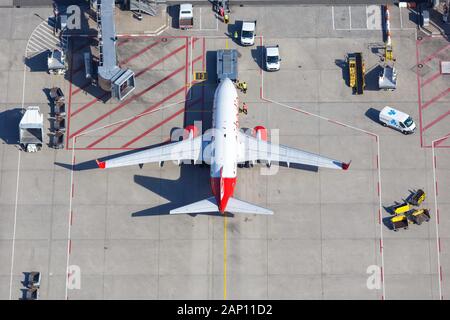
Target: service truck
(186,16)
(31,129)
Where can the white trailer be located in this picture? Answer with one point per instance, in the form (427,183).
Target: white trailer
(31,129)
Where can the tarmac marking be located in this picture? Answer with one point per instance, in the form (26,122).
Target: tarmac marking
(432,123)
(419,93)
(156,126)
(434,54)
(140,52)
(442,140)
(438,240)
(95,100)
(122,105)
(430,79)
(225,257)
(434,99)
(127,101)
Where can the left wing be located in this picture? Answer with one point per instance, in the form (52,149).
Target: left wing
(189,149)
(254,149)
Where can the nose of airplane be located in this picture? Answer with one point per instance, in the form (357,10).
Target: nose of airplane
(226,85)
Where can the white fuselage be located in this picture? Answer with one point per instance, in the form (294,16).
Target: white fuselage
(226,125)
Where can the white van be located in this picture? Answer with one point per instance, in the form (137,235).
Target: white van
(397,120)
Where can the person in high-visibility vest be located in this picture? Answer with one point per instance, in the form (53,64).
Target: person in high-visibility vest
(244,87)
(236,35)
(226,18)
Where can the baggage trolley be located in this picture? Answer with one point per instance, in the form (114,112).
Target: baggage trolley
(416,198)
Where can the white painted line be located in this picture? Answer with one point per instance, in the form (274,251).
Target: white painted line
(17,190)
(69,228)
(332,17)
(367,18)
(439,271)
(200,18)
(350,16)
(401,19)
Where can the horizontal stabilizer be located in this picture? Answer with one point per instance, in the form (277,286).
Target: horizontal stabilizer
(210,205)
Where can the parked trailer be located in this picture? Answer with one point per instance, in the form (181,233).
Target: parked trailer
(357,72)
(227,64)
(186,16)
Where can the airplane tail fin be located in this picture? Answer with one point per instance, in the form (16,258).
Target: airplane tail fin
(210,205)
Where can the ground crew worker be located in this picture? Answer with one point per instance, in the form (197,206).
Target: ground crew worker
(244,108)
(221,11)
(244,87)
(226,18)
(236,35)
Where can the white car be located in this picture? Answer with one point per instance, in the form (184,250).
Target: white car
(248,33)
(272,58)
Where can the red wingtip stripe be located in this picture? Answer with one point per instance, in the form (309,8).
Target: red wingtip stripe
(345,166)
(101,164)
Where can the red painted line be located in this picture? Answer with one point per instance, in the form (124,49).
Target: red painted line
(430,79)
(87,105)
(182,110)
(69,106)
(121,43)
(432,123)
(139,53)
(382,275)
(433,55)
(186,68)
(84,86)
(71,217)
(126,36)
(442,140)
(419,94)
(132,120)
(127,101)
(160,60)
(379,216)
(381,246)
(434,99)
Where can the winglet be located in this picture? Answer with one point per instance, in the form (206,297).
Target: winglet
(346,165)
(101,164)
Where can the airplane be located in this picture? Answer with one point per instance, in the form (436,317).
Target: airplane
(224,149)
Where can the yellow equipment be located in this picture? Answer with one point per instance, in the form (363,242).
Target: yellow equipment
(401,208)
(399,221)
(357,70)
(388,53)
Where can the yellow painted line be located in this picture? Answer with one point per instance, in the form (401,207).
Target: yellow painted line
(225,258)
(226,43)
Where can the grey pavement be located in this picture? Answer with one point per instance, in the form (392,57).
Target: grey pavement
(325,232)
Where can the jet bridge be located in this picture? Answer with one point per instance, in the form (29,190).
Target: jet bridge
(120,82)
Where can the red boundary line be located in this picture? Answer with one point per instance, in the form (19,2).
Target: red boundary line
(132,97)
(432,78)
(153,86)
(442,140)
(432,123)
(139,53)
(434,54)
(69,105)
(182,110)
(123,125)
(434,99)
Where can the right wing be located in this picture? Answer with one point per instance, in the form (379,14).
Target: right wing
(254,149)
(189,149)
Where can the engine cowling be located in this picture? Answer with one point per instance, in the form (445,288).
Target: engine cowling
(190,130)
(260,133)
